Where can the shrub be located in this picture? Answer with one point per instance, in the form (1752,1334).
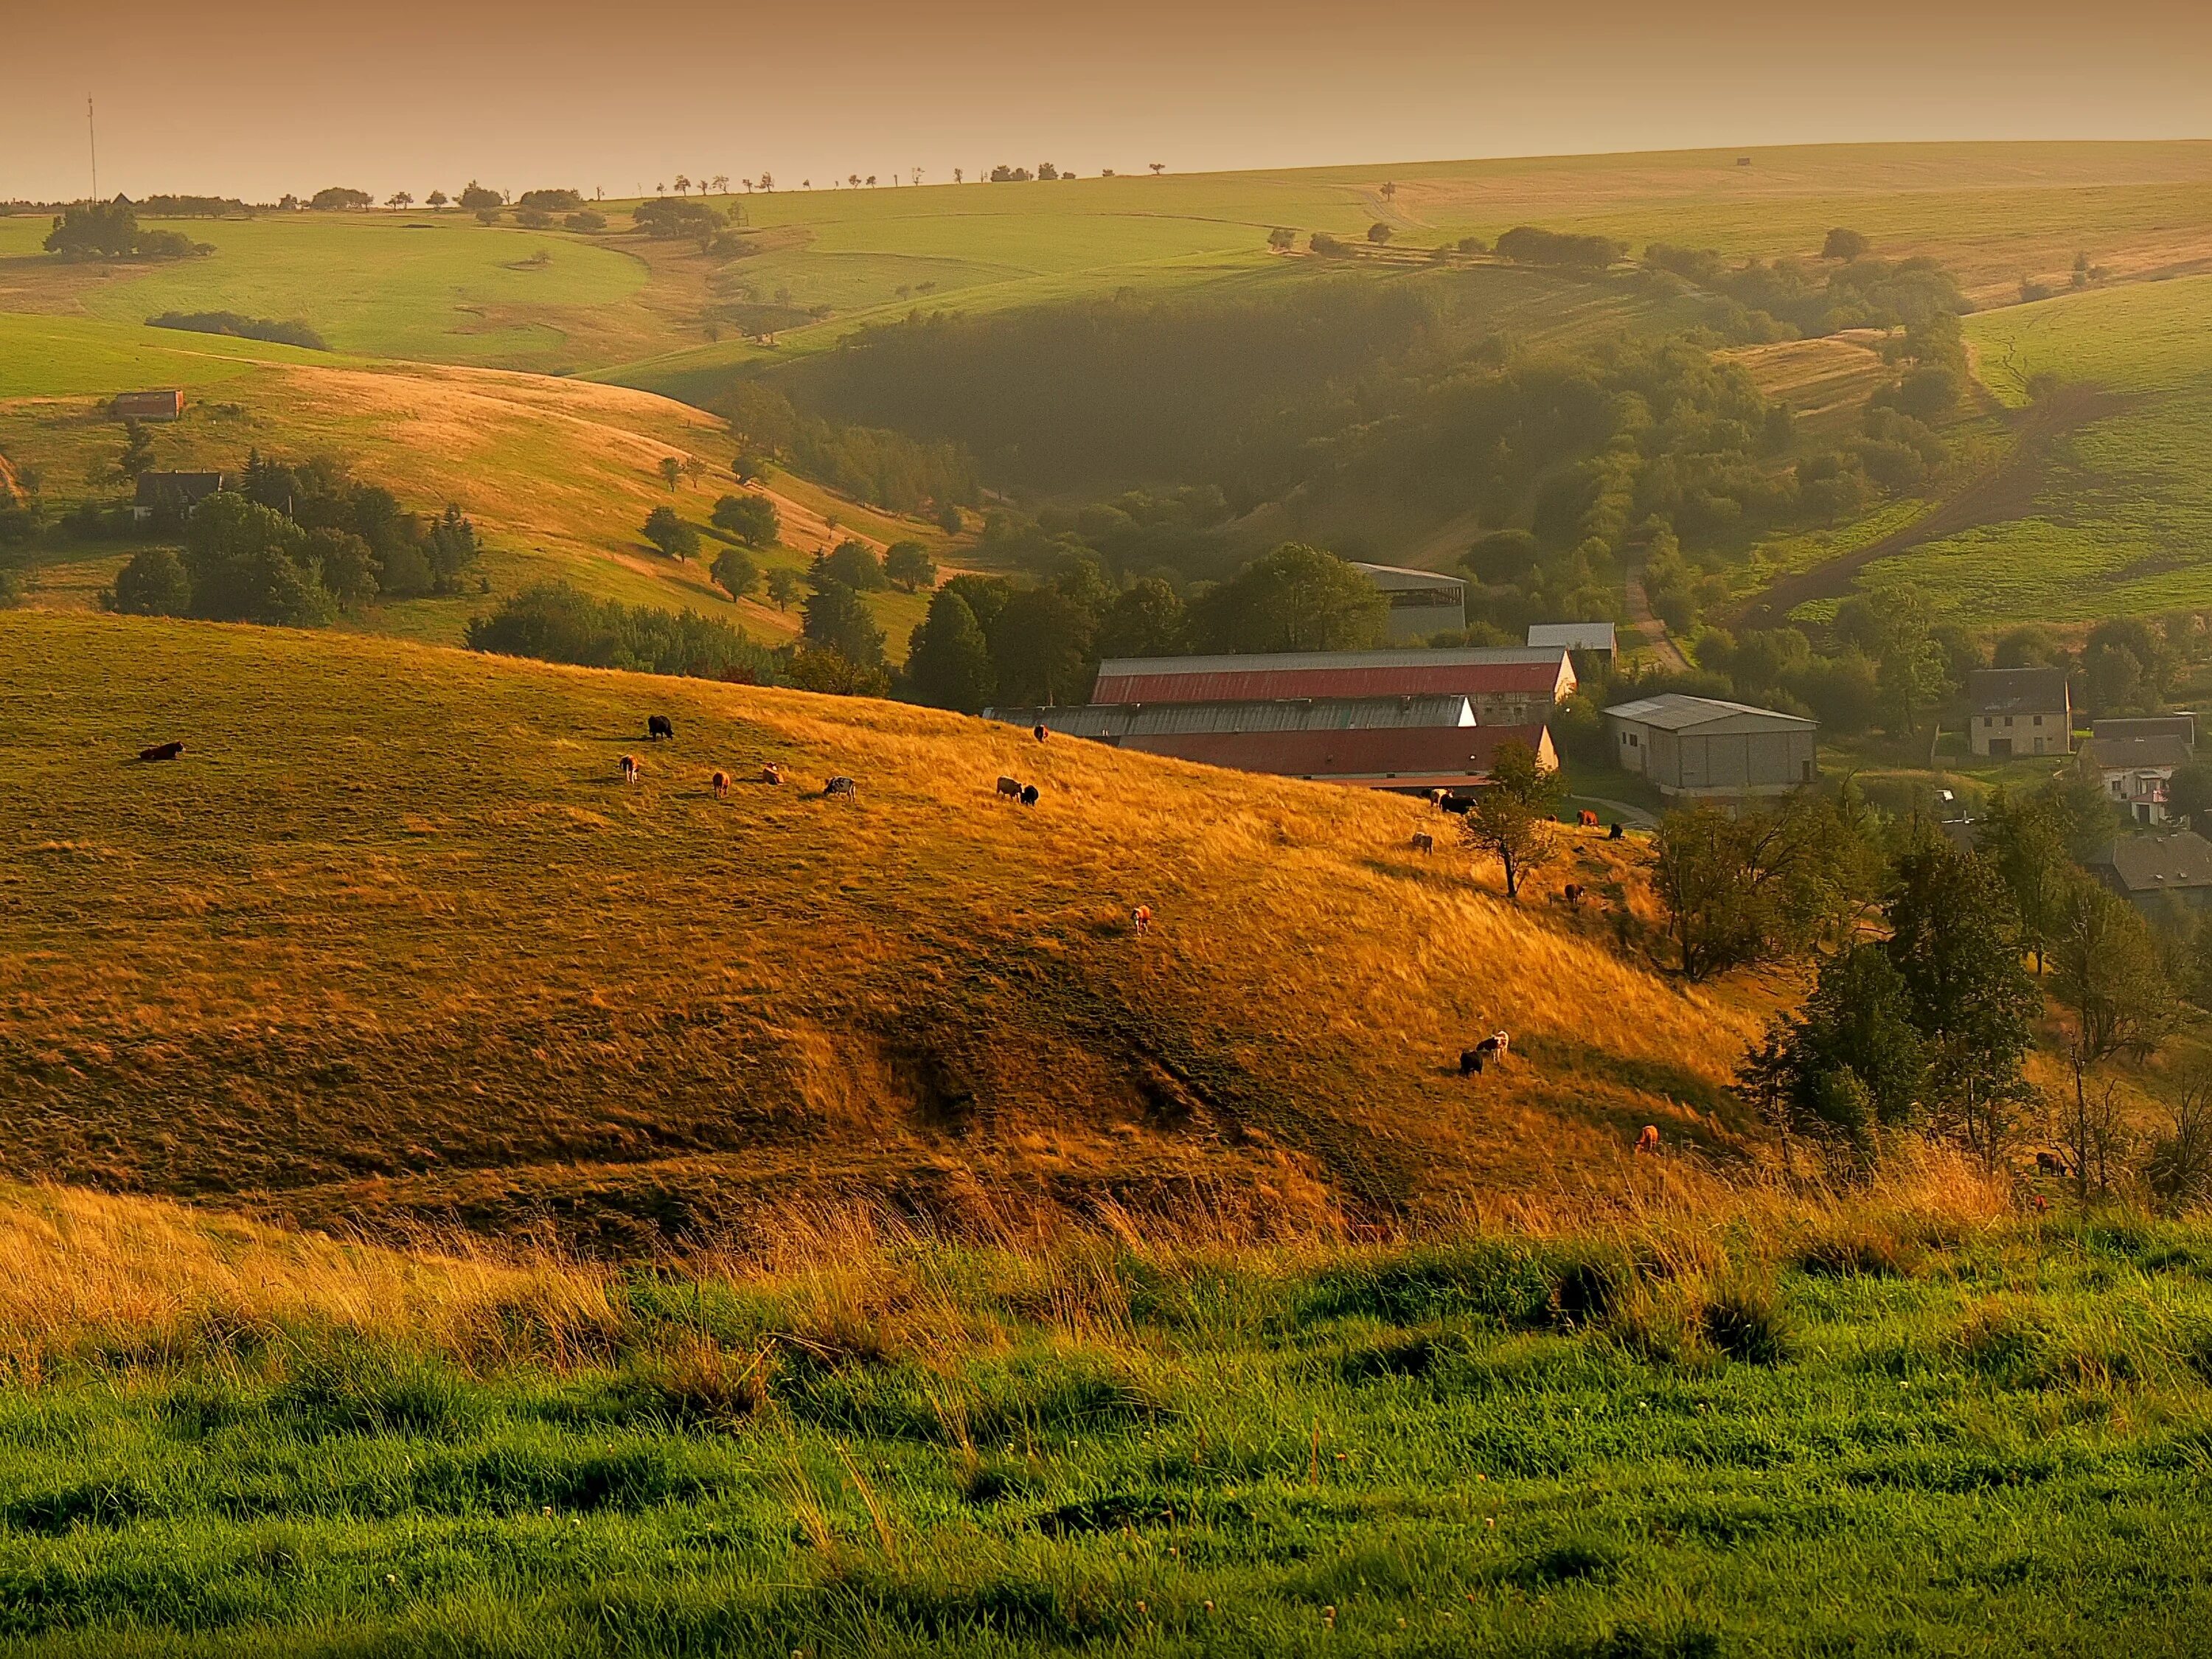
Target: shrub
(587,222)
(1527,244)
(1745,1320)
(827,669)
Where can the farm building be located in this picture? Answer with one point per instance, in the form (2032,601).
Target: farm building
(2019,711)
(1422,603)
(1702,747)
(1507,685)
(148,405)
(2155,873)
(1594,639)
(1374,742)
(2181,726)
(174,495)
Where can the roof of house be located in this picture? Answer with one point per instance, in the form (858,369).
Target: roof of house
(1393,577)
(1428,756)
(167,397)
(2178,859)
(1673,711)
(2136,754)
(1268,677)
(1572,635)
(2009,691)
(2183,726)
(158,488)
(1122,720)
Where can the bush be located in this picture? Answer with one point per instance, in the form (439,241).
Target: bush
(554,623)
(587,222)
(1527,244)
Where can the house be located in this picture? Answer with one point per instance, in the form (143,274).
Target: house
(2158,872)
(148,405)
(1594,639)
(1701,746)
(1508,685)
(2183,726)
(2019,711)
(1422,603)
(174,495)
(2135,772)
(1407,744)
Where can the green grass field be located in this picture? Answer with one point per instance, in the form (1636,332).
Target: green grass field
(2122,520)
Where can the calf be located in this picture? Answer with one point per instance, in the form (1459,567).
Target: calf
(721,783)
(1423,841)
(658,726)
(843,785)
(161,751)
(1029,794)
(1011,788)
(1586,818)
(629,768)
(1648,1140)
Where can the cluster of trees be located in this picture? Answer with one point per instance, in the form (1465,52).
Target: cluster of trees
(339,199)
(1527,244)
(556,622)
(1786,298)
(292,546)
(987,641)
(195,207)
(887,468)
(111,230)
(242,327)
(681,219)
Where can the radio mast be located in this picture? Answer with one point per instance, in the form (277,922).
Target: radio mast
(92,139)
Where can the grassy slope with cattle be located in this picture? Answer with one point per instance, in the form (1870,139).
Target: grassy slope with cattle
(391,940)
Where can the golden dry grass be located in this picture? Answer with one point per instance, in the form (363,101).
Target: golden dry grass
(392,940)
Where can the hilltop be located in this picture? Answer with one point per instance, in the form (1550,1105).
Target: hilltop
(392,941)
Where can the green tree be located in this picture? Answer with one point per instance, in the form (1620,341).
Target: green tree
(827,669)
(2110,973)
(752,520)
(838,619)
(1295,599)
(670,534)
(1379,233)
(137,450)
(1146,619)
(1755,886)
(948,663)
(909,565)
(1510,819)
(735,573)
(672,471)
(249,563)
(1858,1022)
(784,588)
(152,584)
(2024,838)
(853,564)
(1843,244)
(348,568)
(2189,795)
(1041,646)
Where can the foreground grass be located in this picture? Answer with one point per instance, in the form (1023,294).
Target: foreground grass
(1898,1425)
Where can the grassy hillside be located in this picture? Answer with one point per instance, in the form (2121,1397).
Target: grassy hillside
(394,939)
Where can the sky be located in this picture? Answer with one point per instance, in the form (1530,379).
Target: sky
(253,99)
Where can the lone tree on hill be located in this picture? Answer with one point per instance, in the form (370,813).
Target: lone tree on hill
(1512,818)
(677,539)
(671,470)
(751,519)
(1844,244)
(436,201)
(909,566)
(784,588)
(948,663)
(735,573)
(1158,167)
(1379,233)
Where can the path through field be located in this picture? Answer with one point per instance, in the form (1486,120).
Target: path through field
(1646,624)
(2005,491)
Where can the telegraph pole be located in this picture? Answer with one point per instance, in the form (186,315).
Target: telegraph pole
(92,139)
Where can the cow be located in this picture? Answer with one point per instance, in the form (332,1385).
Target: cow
(720,784)
(2051,1163)
(772,773)
(1141,919)
(1571,895)
(843,785)
(1615,833)
(161,751)
(1038,731)
(658,726)
(1586,819)
(1437,798)
(1029,794)
(1491,1048)
(1011,788)
(1457,804)
(1423,841)
(1648,1142)
(629,768)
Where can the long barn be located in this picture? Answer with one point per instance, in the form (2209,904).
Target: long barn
(1505,685)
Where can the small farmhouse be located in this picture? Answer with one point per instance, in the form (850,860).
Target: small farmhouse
(174,495)
(2135,771)
(1701,746)
(1422,603)
(2019,711)
(148,405)
(2161,871)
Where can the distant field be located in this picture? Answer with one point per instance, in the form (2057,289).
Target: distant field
(2121,522)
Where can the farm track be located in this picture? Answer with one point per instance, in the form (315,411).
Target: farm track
(2003,492)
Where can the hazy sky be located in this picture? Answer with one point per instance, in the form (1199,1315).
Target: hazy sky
(251,98)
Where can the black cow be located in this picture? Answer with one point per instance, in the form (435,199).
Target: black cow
(1615,833)
(1456,803)
(161,751)
(1029,794)
(1038,731)
(658,726)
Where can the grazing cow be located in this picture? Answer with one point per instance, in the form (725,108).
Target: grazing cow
(1470,1062)
(1614,833)
(1491,1048)
(1141,919)
(1571,894)
(1423,841)
(629,768)
(1648,1140)
(1038,731)
(658,726)
(1437,798)
(1029,794)
(1457,804)
(843,785)
(772,773)
(720,781)
(1586,819)
(161,751)
(2051,1163)
(1011,788)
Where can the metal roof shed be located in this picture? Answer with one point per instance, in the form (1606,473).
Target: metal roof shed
(1702,747)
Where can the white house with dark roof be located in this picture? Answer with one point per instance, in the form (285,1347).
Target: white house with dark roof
(2019,711)
(1702,747)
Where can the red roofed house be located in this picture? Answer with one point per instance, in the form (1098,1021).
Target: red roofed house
(1508,685)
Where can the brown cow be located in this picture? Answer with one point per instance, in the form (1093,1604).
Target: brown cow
(1572,895)
(720,782)
(1141,919)
(1423,841)
(161,751)
(1586,818)
(629,768)
(772,773)
(1648,1140)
